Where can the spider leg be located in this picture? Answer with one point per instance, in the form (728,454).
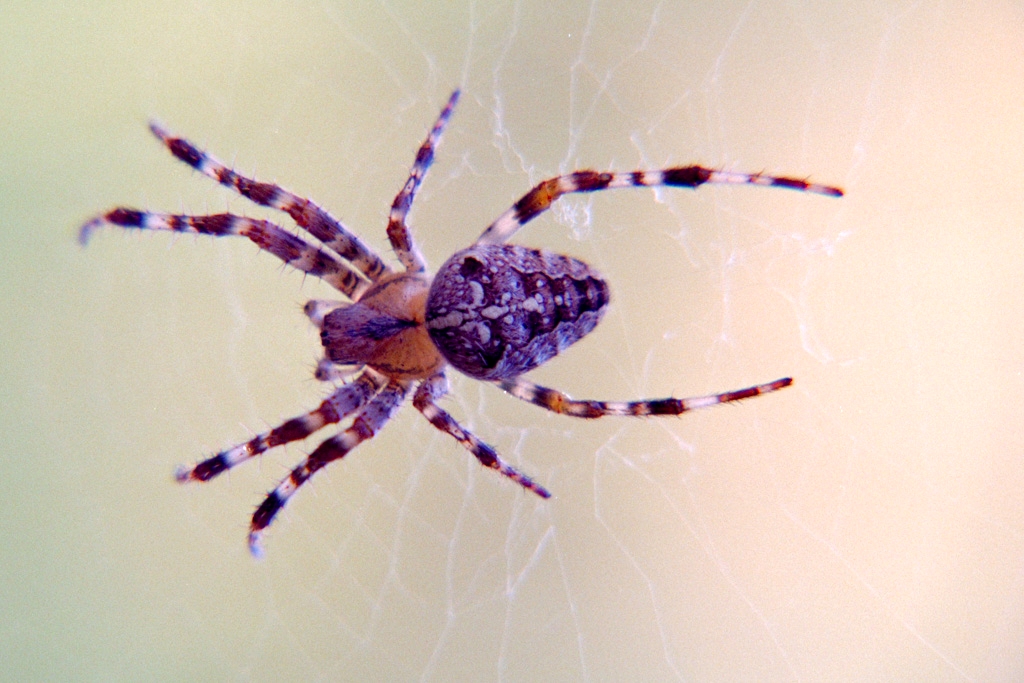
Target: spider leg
(541,197)
(557,402)
(308,215)
(293,250)
(432,390)
(398,231)
(369,420)
(343,402)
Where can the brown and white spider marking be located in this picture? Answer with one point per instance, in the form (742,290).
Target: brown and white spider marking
(494,311)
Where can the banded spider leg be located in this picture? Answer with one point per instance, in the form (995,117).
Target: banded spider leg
(544,194)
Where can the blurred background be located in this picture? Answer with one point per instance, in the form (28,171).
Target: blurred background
(865,524)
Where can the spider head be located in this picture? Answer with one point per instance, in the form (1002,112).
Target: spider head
(353,335)
(384,330)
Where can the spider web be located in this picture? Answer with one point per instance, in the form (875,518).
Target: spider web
(863,524)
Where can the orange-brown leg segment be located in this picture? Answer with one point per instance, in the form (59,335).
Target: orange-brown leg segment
(540,198)
(557,402)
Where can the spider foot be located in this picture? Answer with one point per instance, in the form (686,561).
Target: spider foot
(270,506)
(256,545)
(260,520)
(205,470)
(86,231)
(183,473)
(211,467)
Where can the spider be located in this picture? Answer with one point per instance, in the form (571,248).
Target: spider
(494,311)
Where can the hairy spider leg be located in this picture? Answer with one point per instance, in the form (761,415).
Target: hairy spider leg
(293,250)
(558,402)
(308,215)
(398,232)
(339,405)
(369,420)
(431,390)
(541,197)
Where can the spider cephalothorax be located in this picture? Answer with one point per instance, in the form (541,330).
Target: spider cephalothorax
(385,329)
(493,311)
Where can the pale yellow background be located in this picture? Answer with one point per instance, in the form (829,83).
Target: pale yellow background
(866,524)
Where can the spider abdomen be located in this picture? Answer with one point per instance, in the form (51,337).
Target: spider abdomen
(496,311)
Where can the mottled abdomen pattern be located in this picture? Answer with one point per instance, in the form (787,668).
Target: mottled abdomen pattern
(497,310)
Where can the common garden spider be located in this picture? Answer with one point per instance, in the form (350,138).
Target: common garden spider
(494,311)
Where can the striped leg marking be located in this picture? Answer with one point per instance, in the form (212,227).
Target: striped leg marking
(308,215)
(293,250)
(557,402)
(540,198)
(370,419)
(343,402)
(398,231)
(433,389)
